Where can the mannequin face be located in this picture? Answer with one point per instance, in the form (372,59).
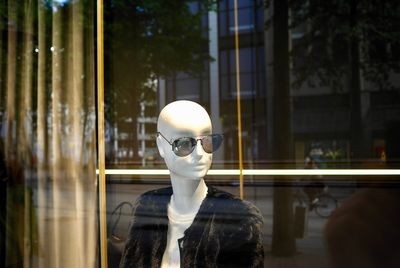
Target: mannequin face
(184,119)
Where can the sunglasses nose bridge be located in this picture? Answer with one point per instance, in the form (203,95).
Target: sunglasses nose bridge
(199,147)
(199,140)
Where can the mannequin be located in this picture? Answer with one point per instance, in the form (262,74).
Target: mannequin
(191,224)
(185,119)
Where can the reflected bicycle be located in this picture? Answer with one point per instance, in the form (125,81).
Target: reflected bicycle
(323,204)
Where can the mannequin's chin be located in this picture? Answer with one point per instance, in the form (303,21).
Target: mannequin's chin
(199,173)
(193,174)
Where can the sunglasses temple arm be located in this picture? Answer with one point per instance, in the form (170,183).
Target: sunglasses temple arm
(159,133)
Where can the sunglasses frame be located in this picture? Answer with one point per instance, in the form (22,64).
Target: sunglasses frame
(194,146)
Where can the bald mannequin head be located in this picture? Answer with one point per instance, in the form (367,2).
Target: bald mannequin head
(184,116)
(184,119)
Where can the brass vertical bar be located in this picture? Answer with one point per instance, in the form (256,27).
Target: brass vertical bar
(238,101)
(100,142)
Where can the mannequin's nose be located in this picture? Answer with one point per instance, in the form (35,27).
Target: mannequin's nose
(198,150)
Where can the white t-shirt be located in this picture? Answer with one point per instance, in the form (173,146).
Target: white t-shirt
(177,224)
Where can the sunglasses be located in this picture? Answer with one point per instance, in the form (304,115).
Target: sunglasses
(185,146)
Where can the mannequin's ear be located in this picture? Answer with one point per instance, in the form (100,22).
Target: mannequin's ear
(159,146)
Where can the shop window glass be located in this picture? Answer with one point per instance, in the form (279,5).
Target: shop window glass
(250,17)
(319,112)
(188,89)
(223,23)
(245,21)
(317,120)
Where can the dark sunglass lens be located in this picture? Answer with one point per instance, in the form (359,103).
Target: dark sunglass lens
(211,143)
(217,141)
(184,146)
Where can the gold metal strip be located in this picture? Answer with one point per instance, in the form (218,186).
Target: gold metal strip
(238,102)
(101,142)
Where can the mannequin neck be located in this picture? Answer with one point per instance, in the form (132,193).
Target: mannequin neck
(188,194)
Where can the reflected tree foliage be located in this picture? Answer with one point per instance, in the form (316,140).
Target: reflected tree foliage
(159,37)
(324,54)
(146,40)
(347,46)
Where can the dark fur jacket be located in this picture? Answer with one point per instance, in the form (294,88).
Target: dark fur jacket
(226,232)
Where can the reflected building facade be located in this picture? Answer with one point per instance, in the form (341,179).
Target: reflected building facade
(321,115)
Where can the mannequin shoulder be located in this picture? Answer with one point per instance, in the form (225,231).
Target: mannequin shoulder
(233,207)
(154,198)
(238,223)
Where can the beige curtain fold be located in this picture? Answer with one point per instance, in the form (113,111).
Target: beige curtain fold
(25,126)
(48,132)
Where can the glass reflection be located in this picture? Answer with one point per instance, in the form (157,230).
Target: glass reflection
(320,91)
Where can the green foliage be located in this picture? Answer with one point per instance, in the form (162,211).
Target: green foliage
(163,36)
(322,54)
(149,39)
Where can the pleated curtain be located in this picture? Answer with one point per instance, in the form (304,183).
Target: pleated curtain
(48,141)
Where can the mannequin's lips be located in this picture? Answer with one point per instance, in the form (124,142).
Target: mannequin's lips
(200,167)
